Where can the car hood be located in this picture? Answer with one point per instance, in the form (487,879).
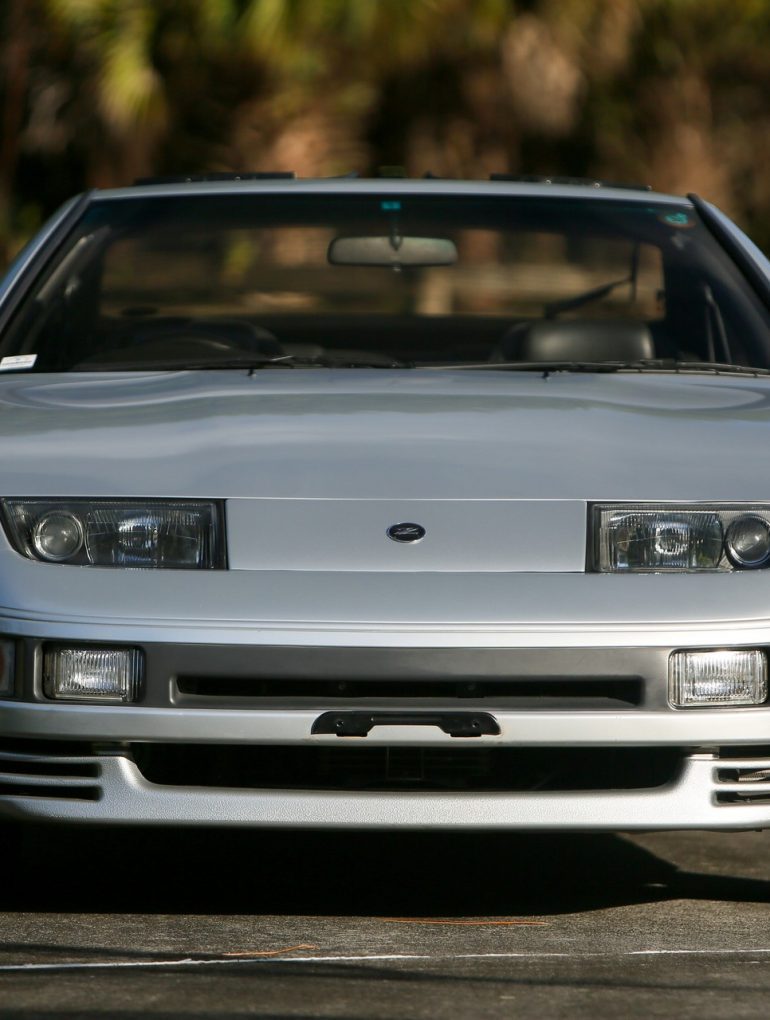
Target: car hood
(379,434)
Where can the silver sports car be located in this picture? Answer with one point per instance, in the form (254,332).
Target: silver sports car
(386,503)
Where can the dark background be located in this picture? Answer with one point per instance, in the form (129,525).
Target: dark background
(94,93)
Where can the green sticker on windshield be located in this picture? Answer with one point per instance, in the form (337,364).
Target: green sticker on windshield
(677,219)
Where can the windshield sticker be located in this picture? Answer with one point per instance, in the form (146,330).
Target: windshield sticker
(18,361)
(677,219)
(390,206)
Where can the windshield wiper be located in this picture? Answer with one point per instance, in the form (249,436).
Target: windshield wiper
(250,362)
(532,366)
(671,365)
(295,360)
(179,364)
(640,365)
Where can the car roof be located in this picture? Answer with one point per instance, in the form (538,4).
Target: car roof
(288,185)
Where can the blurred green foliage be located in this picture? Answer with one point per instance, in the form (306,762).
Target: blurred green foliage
(94,93)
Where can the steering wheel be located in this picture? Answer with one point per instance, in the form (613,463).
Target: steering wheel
(193,340)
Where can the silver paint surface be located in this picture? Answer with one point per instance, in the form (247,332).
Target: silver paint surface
(126,797)
(381,434)
(294,448)
(314,466)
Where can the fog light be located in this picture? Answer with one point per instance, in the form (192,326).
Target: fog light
(92,674)
(717,678)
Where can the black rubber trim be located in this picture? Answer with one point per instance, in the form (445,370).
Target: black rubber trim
(360,724)
(46,254)
(744,262)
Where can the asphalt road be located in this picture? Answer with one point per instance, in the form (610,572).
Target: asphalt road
(217,924)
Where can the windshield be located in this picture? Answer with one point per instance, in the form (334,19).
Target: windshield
(368,280)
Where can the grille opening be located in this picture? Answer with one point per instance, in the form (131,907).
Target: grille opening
(735,797)
(750,751)
(83,770)
(747,774)
(754,777)
(546,692)
(406,768)
(50,792)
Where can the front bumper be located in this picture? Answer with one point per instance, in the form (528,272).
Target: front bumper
(116,792)
(721,779)
(575,630)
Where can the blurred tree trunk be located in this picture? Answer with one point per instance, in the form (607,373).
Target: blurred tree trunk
(95,92)
(16,50)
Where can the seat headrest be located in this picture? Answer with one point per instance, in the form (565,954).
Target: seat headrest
(579,340)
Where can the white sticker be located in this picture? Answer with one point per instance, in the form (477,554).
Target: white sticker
(17,361)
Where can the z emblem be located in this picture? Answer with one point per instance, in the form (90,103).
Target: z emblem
(406,532)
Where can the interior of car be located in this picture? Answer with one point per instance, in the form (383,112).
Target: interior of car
(213,283)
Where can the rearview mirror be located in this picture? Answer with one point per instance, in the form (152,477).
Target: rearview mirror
(393,252)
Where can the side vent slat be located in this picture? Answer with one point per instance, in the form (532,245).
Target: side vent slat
(49,792)
(58,769)
(25,771)
(743,781)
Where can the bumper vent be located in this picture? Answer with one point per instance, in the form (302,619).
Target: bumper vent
(406,768)
(743,780)
(550,693)
(48,774)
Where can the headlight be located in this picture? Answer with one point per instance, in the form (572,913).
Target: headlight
(747,542)
(174,534)
(57,536)
(648,538)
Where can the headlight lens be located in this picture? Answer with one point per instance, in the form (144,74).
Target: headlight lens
(747,542)
(109,533)
(639,538)
(57,536)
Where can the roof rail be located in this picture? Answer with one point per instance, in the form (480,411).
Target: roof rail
(588,182)
(201,178)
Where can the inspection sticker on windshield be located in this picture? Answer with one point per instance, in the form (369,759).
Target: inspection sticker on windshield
(677,219)
(17,361)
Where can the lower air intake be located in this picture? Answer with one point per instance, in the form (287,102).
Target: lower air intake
(406,768)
